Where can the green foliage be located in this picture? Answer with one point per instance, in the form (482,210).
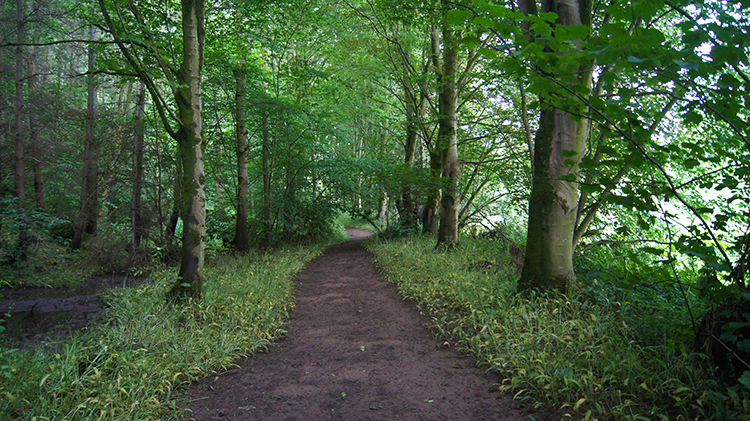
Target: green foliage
(306,221)
(32,250)
(128,367)
(606,353)
(349,220)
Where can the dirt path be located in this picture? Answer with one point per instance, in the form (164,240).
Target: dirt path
(355,350)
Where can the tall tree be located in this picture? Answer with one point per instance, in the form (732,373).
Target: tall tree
(88,215)
(185,84)
(241,240)
(136,213)
(446,146)
(558,147)
(19,100)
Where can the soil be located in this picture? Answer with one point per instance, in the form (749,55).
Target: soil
(355,350)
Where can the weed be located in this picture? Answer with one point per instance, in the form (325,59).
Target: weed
(128,366)
(607,353)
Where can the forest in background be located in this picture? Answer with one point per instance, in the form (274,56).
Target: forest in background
(605,143)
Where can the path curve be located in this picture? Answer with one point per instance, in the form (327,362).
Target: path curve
(355,350)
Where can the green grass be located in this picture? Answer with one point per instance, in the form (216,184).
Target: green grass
(128,367)
(588,357)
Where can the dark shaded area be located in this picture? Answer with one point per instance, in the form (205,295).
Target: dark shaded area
(724,336)
(32,315)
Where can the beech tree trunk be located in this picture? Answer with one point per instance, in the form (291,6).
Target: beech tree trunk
(383,207)
(192,146)
(446,141)
(431,211)
(241,240)
(553,203)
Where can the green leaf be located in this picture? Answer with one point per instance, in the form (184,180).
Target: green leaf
(745,379)
(471,41)
(686,65)
(653,250)
(488,53)
(549,16)
(458,17)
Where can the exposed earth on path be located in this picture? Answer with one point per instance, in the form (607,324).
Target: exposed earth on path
(355,350)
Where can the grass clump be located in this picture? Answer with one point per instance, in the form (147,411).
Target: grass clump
(598,355)
(128,366)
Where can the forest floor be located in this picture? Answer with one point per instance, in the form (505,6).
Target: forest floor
(355,350)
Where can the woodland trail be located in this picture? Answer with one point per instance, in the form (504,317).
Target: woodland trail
(355,350)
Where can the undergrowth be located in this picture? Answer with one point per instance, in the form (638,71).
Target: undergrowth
(587,356)
(128,366)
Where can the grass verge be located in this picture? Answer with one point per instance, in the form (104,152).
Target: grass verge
(588,356)
(128,366)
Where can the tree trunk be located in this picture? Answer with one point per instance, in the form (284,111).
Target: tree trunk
(241,239)
(553,203)
(431,211)
(87,216)
(192,146)
(174,216)
(446,142)
(19,136)
(24,236)
(36,147)
(92,178)
(406,206)
(383,207)
(266,157)
(136,217)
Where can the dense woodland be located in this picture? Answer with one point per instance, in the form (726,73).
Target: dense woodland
(604,145)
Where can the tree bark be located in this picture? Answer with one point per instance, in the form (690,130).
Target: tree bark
(383,207)
(19,135)
(446,141)
(266,158)
(174,216)
(414,111)
(431,211)
(190,279)
(36,147)
(553,203)
(87,217)
(241,240)
(136,217)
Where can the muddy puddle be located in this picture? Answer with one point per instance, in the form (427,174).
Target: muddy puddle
(32,315)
